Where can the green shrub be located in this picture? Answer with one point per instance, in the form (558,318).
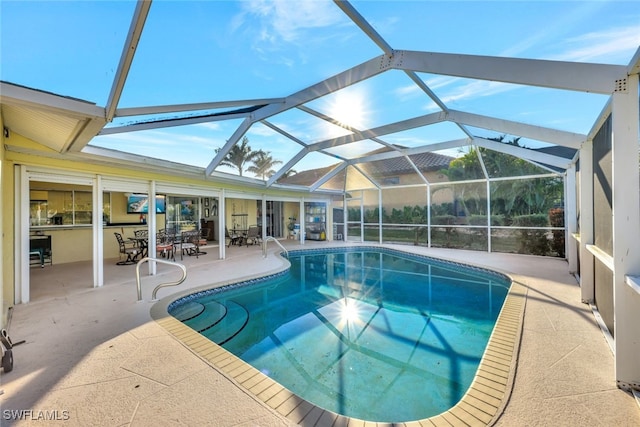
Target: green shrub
(443,220)
(535,220)
(533,242)
(482,220)
(556,219)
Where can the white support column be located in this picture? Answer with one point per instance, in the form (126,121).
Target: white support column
(329,218)
(21,235)
(626,232)
(428,215)
(222,225)
(570,218)
(98,233)
(4,266)
(587,289)
(264,218)
(379,216)
(488,189)
(345,217)
(488,215)
(361,216)
(302,221)
(152,228)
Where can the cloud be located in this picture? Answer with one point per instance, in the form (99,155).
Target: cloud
(458,89)
(156,140)
(408,91)
(286,20)
(606,45)
(210,125)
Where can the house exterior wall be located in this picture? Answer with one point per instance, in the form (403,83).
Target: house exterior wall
(33,155)
(6,245)
(397,198)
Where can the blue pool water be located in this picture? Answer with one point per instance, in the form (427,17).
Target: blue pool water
(369,333)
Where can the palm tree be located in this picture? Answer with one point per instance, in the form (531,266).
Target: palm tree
(239,155)
(263,164)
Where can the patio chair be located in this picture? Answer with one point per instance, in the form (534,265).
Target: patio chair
(129,249)
(190,243)
(203,239)
(234,239)
(253,235)
(164,245)
(141,240)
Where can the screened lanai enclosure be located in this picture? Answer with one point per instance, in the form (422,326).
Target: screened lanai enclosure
(414,137)
(483,200)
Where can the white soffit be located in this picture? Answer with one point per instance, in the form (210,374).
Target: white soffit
(49,129)
(55,121)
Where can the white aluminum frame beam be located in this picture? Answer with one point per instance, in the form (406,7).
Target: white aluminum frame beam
(165,123)
(342,125)
(368,29)
(295,159)
(576,76)
(333,172)
(558,137)
(523,153)
(364,174)
(410,151)
(163,109)
(284,133)
(354,75)
(240,131)
(400,126)
(634,64)
(131,44)
(626,229)
(339,81)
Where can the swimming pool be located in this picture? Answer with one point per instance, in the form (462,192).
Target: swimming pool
(369,333)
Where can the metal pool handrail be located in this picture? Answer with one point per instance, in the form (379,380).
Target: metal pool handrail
(264,246)
(161,285)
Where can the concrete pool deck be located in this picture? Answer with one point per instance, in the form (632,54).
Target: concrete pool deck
(97,357)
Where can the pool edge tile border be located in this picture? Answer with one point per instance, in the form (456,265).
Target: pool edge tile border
(480,405)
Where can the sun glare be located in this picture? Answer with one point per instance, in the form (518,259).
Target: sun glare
(348,109)
(349,311)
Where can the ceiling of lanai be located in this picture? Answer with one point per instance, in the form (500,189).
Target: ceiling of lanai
(362,88)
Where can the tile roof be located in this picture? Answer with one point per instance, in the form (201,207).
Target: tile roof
(425,162)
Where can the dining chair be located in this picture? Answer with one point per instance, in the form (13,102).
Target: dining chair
(129,249)
(189,243)
(164,245)
(253,235)
(234,238)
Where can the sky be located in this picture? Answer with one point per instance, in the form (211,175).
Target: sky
(206,51)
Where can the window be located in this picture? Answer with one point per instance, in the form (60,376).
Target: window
(64,207)
(391,180)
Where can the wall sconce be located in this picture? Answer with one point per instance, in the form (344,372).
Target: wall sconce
(5,131)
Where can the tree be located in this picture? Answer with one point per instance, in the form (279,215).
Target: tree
(509,197)
(239,155)
(263,164)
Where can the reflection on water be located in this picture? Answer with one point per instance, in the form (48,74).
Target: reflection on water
(371,335)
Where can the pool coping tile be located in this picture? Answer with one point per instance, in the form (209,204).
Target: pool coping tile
(482,403)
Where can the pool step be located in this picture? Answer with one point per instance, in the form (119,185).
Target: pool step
(187,311)
(236,319)
(212,313)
